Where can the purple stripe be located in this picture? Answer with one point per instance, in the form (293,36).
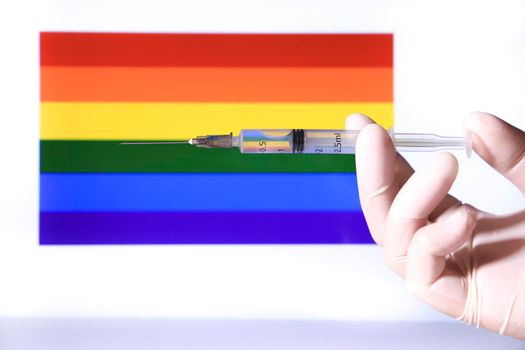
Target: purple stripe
(203,228)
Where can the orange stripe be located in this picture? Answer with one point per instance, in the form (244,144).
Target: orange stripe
(182,84)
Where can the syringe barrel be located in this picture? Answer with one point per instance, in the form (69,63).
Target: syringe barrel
(297,141)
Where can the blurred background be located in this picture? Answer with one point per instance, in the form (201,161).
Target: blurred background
(450,58)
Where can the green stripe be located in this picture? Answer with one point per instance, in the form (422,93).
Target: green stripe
(110,157)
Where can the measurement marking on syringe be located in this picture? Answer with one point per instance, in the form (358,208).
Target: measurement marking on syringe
(337,143)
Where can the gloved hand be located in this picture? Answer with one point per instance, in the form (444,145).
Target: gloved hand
(463,262)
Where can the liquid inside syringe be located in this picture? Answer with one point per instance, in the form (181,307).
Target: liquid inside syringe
(320,141)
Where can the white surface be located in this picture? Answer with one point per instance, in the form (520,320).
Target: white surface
(158,334)
(451,57)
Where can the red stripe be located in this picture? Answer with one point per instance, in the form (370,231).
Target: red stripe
(216,50)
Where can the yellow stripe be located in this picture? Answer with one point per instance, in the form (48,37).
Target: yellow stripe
(162,121)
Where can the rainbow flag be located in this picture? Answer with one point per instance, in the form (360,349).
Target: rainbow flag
(98,89)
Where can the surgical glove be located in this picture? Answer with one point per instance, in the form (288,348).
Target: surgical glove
(462,261)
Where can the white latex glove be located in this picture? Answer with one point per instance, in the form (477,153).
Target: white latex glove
(463,262)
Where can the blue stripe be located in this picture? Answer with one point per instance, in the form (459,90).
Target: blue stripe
(198,192)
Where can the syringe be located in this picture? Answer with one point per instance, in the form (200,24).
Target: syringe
(320,141)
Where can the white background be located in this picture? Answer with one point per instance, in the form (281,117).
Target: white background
(451,57)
